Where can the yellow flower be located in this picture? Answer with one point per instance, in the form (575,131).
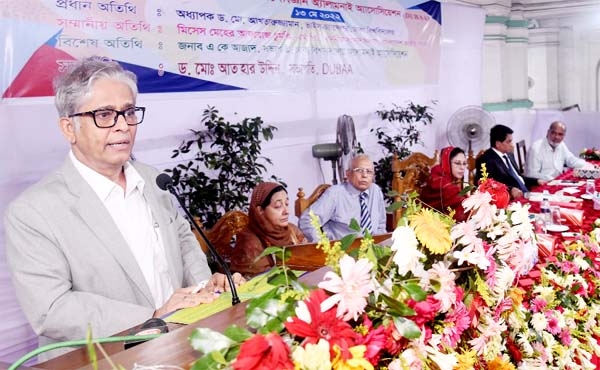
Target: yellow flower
(499,364)
(466,360)
(356,362)
(431,231)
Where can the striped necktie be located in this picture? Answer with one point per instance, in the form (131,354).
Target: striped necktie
(515,175)
(365,215)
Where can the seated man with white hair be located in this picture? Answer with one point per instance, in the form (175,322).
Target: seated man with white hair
(548,156)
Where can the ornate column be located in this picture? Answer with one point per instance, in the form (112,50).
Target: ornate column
(504,78)
(543,66)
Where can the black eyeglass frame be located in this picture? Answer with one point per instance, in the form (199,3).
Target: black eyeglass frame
(118,112)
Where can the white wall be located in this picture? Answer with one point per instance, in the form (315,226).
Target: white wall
(31,146)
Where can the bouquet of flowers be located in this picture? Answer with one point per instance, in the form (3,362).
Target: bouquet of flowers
(438,297)
(590,153)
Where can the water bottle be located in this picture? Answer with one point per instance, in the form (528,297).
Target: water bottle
(545,208)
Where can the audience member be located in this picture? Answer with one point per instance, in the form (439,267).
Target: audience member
(358,198)
(268,226)
(500,163)
(444,185)
(548,156)
(97,243)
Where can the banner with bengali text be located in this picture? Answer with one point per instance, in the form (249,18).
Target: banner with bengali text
(210,45)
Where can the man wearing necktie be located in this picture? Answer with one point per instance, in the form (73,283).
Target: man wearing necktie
(500,163)
(358,198)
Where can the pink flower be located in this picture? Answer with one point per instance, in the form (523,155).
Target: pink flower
(538,304)
(374,340)
(456,322)
(351,289)
(425,310)
(264,352)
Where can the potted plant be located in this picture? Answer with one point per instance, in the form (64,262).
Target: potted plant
(401,132)
(226,165)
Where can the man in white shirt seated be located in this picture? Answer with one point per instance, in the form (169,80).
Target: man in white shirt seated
(548,156)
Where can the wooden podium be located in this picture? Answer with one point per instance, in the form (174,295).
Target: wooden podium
(173,348)
(307,257)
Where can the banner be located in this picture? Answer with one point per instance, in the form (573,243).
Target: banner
(210,45)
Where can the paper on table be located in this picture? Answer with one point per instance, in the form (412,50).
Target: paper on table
(251,289)
(570,190)
(566,183)
(255,287)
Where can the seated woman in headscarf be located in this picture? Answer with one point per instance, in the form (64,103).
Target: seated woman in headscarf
(445,183)
(267,226)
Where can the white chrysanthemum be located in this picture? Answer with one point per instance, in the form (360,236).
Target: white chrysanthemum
(312,356)
(405,245)
(446,278)
(525,345)
(516,319)
(504,278)
(581,263)
(539,322)
(544,292)
(442,360)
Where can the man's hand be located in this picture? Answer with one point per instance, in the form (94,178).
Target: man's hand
(218,282)
(516,193)
(185,297)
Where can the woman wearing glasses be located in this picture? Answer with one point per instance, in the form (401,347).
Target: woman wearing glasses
(268,226)
(444,186)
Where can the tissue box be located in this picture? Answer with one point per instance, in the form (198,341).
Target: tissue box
(587,173)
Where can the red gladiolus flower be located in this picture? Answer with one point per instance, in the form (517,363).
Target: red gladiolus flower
(514,350)
(498,191)
(425,310)
(323,325)
(264,352)
(374,339)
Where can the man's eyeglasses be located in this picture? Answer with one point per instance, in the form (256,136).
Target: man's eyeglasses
(363,171)
(106,118)
(463,164)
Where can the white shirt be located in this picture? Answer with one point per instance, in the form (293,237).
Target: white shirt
(545,162)
(132,215)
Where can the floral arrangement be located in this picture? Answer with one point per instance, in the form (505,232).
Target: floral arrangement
(443,295)
(590,153)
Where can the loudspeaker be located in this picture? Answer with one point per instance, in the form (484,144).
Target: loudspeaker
(329,152)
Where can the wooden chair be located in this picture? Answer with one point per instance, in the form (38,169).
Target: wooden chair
(222,233)
(303,203)
(408,175)
(472,163)
(521,156)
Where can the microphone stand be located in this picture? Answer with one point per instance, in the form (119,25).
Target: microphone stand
(235,299)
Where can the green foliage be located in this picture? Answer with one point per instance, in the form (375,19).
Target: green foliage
(405,124)
(226,165)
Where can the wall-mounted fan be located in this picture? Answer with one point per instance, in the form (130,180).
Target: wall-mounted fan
(341,152)
(469,128)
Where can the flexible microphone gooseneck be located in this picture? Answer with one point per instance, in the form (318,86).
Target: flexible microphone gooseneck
(165,182)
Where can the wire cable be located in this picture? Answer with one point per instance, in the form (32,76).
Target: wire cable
(80,342)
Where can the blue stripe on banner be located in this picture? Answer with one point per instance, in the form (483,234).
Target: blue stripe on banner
(149,82)
(433,8)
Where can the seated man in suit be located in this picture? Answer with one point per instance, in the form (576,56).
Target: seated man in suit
(548,156)
(501,165)
(358,198)
(96,243)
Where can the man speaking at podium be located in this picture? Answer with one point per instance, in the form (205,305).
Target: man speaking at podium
(97,242)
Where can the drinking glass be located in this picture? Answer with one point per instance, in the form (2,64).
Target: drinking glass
(556,215)
(590,187)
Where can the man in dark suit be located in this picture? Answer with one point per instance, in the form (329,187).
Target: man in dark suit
(500,163)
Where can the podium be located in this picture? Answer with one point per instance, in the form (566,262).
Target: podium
(173,348)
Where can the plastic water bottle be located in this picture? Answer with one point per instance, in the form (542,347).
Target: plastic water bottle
(545,208)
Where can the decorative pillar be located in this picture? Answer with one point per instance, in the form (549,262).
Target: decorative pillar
(543,67)
(504,78)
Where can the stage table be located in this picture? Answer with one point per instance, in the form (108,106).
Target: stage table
(587,205)
(172,348)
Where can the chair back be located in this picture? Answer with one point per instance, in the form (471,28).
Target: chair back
(222,233)
(303,203)
(408,175)
(472,163)
(521,155)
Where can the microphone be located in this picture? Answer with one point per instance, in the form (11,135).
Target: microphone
(165,182)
